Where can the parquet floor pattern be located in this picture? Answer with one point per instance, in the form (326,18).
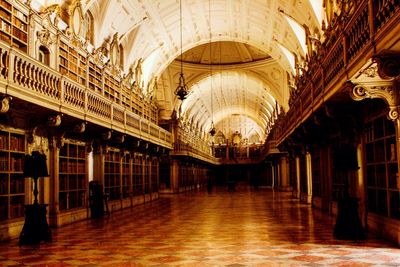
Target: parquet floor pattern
(242,228)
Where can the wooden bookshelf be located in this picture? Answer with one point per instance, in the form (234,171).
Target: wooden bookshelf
(72,63)
(112,88)
(95,78)
(12,181)
(316,173)
(112,174)
(146,175)
(126,176)
(154,175)
(381,167)
(72,176)
(138,175)
(126,98)
(14,24)
(137,103)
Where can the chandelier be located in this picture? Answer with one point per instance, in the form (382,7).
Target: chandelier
(181,91)
(212,131)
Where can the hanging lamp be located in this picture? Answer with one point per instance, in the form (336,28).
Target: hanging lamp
(212,131)
(182,90)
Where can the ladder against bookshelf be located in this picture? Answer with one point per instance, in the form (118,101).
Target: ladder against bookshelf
(72,176)
(12,181)
(14,24)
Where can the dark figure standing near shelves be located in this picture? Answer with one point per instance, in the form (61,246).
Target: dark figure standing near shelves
(35,228)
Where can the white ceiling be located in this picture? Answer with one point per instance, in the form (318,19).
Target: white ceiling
(253,29)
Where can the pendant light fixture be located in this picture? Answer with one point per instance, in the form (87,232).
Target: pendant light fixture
(212,131)
(181,91)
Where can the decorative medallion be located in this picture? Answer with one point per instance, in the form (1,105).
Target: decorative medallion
(76,18)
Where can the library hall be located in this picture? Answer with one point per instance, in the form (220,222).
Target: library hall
(199,133)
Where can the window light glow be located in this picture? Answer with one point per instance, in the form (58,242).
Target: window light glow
(289,56)
(148,66)
(318,10)
(299,32)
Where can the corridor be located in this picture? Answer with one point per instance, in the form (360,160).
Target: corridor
(242,228)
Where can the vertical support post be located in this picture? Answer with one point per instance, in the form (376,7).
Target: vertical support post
(309,177)
(284,174)
(174,176)
(54,170)
(297,162)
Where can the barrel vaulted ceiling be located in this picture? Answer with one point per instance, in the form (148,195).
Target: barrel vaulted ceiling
(253,43)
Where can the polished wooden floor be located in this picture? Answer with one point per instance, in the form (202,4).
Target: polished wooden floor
(242,228)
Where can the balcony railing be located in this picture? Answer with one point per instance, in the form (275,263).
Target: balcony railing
(27,79)
(349,44)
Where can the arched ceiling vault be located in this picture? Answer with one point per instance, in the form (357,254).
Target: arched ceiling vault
(256,22)
(252,48)
(226,93)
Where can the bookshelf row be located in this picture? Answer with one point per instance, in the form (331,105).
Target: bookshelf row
(72,166)
(13,25)
(72,63)
(12,181)
(71,183)
(383,186)
(72,177)
(11,163)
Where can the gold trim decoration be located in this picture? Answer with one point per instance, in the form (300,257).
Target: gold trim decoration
(76,18)
(114,51)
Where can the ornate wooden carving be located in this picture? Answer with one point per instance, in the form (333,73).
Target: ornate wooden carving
(5,104)
(388,64)
(384,90)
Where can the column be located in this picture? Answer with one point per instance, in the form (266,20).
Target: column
(174,176)
(54,211)
(284,184)
(297,191)
(309,178)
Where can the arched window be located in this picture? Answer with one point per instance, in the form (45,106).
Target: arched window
(44,55)
(121,56)
(88,27)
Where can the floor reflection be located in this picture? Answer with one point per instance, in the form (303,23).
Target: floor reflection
(242,228)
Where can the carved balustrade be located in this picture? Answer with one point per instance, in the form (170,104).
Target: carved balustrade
(28,79)
(351,40)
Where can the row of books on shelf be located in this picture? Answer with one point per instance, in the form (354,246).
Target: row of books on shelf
(5,17)
(16,211)
(20,15)
(17,143)
(72,183)
(5,4)
(21,35)
(5,27)
(21,25)
(17,186)
(70,200)
(73,152)
(112,156)
(72,167)
(4,37)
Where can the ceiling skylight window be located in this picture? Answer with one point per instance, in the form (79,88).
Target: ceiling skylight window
(299,32)
(318,10)
(289,56)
